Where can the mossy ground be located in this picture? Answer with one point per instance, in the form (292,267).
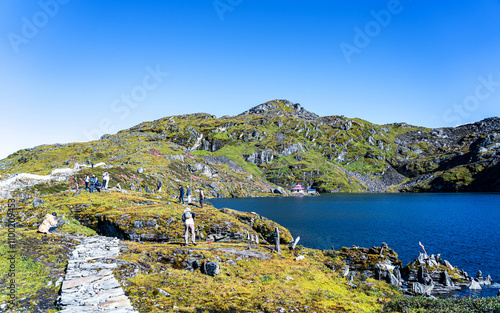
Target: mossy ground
(252,285)
(40,260)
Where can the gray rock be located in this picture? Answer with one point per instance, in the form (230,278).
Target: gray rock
(421,289)
(193,264)
(392,279)
(345,271)
(341,156)
(397,274)
(292,149)
(140,170)
(487,281)
(138,224)
(37,202)
(445,279)
(280,191)
(474,285)
(266,156)
(448,265)
(479,275)
(210,268)
(439,259)
(163,292)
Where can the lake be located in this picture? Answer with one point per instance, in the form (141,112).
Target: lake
(463,227)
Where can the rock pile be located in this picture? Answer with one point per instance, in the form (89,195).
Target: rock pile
(89,284)
(426,275)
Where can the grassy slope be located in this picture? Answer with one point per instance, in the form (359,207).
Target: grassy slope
(250,286)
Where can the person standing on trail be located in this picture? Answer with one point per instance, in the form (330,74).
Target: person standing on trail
(202,197)
(188,194)
(92,183)
(105,180)
(188,219)
(181,194)
(87,180)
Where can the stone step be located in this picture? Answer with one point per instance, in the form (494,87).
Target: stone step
(89,284)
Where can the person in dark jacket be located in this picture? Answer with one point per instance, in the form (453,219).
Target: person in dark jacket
(202,197)
(92,183)
(98,185)
(181,194)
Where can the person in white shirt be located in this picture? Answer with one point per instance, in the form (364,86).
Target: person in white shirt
(188,219)
(105,180)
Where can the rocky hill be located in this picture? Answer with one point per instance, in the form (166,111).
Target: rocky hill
(276,144)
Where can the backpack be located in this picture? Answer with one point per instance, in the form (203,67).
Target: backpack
(187,215)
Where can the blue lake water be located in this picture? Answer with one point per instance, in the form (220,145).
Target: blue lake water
(463,227)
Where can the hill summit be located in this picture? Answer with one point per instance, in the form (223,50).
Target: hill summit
(281,107)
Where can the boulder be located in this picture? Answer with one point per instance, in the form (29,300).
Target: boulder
(163,292)
(279,190)
(448,265)
(479,276)
(446,280)
(37,202)
(420,289)
(474,285)
(392,279)
(210,268)
(397,274)
(487,281)
(345,271)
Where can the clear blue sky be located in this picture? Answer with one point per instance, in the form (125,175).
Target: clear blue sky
(70,69)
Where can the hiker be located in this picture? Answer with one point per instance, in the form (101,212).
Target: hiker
(188,194)
(188,219)
(159,184)
(87,180)
(92,183)
(202,197)
(98,185)
(181,194)
(49,224)
(105,179)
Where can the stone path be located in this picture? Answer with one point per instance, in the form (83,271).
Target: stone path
(89,284)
